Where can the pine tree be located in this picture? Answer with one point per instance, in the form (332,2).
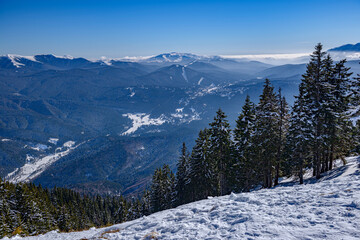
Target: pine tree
(338,122)
(298,137)
(283,124)
(202,177)
(162,189)
(182,176)
(316,89)
(266,130)
(245,175)
(355,94)
(221,150)
(146,203)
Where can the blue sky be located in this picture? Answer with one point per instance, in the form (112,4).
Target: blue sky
(120,28)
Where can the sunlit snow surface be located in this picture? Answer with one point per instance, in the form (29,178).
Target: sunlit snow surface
(141,119)
(35,166)
(324,209)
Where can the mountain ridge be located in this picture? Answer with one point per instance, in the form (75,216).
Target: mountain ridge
(346,48)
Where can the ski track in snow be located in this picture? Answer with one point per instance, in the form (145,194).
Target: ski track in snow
(326,209)
(32,169)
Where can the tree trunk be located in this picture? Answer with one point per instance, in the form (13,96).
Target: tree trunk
(331,157)
(247,187)
(269,175)
(318,166)
(277,174)
(314,170)
(301,174)
(323,162)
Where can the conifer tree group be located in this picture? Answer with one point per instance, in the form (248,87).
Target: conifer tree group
(26,209)
(269,141)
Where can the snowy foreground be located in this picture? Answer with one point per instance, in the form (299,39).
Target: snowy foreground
(324,209)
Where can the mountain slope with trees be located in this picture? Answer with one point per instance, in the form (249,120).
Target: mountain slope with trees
(268,143)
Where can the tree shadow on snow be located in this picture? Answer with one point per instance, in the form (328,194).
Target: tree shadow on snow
(335,173)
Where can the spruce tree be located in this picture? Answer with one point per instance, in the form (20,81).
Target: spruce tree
(245,174)
(266,132)
(316,89)
(283,124)
(221,150)
(339,125)
(355,94)
(182,176)
(162,189)
(298,146)
(202,176)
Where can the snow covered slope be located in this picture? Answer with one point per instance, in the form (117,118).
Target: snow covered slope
(324,209)
(35,166)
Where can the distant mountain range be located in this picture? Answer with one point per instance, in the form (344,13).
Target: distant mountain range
(123,117)
(347,48)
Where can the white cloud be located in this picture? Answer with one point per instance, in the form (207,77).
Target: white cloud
(276,59)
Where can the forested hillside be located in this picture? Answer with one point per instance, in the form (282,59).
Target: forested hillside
(269,142)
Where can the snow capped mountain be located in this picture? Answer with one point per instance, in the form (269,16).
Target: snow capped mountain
(44,62)
(325,209)
(348,51)
(174,57)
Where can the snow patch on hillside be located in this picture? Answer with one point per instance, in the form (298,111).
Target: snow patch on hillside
(325,209)
(201,79)
(184,74)
(53,140)
(141,119)
(39,147)
(131,90)
(35,166)
(13,59)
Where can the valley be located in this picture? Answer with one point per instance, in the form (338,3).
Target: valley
(126,117)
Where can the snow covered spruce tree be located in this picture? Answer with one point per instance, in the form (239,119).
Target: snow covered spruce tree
(297,149)
(182,177)
(314,96)
(355,94)
(282,128)
(245,164)
(162,189)
(339,126)
(326,90)
(355,110)
(266,133)
(202,176)
(220,154)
